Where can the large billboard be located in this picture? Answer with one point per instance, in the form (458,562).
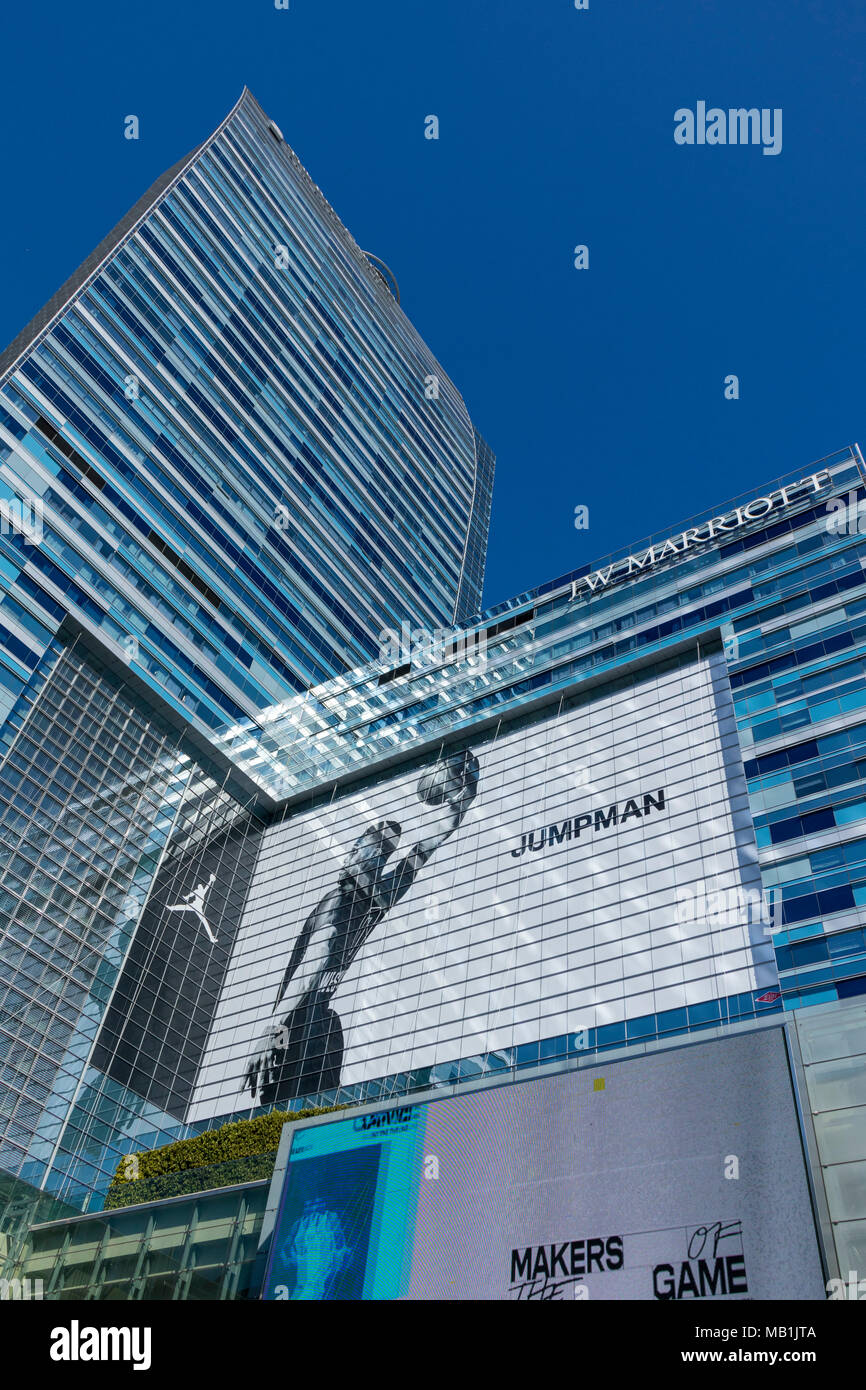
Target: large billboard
(526,887)
(674,1176)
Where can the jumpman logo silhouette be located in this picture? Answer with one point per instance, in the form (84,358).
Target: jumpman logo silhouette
(194,902)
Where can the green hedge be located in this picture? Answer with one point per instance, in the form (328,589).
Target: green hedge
(242,1151)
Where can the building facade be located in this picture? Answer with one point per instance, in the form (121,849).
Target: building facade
(594,1177)
(651,823)
(228,465)
(621,813)
(246,462)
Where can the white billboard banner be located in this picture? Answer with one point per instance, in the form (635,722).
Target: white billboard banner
(527,888)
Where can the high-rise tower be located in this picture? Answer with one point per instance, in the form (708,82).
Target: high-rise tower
(228,463)
(248,463)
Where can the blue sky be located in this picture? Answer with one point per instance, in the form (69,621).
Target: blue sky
(602,387)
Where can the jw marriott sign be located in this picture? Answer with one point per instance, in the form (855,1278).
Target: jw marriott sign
(698,535)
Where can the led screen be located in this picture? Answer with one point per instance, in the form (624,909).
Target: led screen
(677,1175)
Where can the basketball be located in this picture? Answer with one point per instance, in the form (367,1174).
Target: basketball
(445,781)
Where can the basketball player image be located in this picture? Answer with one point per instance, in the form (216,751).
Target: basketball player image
(302,1050)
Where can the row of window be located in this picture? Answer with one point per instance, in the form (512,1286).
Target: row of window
(822,948)
(398,726)
(589,1042)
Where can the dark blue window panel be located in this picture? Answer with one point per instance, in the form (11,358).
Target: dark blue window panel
(754,673)
(704,1013)
(844,942)
(13,425)
(799,909)
(610,1034)
(830,742)
(835,899)
(814,977)
(808,952)
(672,1020)
(831,858)
(818,820)
(848,772)
(813,782)
(855,965)
(785,829)
(641,1027)
(791,719)
(770,762)
(18,649)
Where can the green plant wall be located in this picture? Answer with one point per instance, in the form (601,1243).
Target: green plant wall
(241,1151)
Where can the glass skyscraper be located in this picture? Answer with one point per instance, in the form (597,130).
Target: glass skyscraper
(228,464)
(248,462)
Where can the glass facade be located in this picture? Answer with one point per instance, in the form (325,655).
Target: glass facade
(23,1206)
(562,635)
(84,789)
(832,1043)
(154,899)
(228,462)
(245,461)
(191,1248)
(105,808)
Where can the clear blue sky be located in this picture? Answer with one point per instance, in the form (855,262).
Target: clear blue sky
(603,387)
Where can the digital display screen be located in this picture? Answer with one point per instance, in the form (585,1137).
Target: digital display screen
(676,1175)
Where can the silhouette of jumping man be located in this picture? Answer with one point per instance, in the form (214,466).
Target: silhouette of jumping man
(302,1050)
(194,902)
